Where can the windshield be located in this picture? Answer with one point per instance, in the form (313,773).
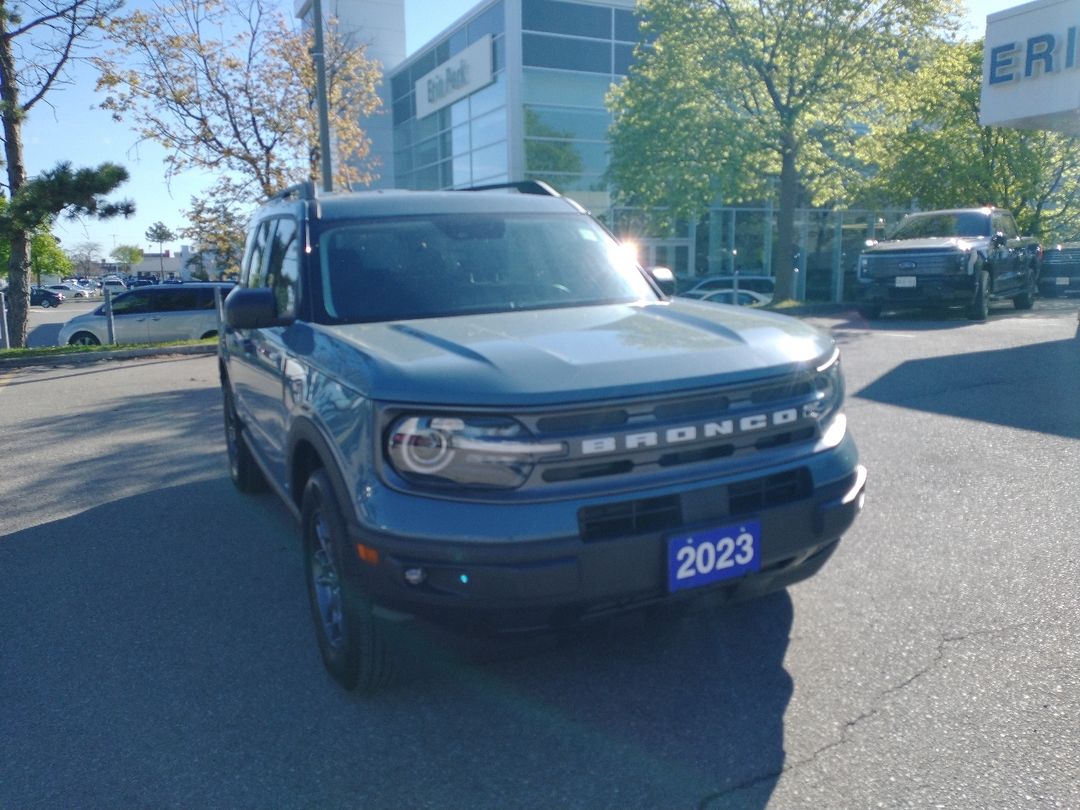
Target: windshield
(924,226)
(433,266)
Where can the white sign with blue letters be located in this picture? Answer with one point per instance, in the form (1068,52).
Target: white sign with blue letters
(1031,67)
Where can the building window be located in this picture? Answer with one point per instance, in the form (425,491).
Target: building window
(565,90)
(566,18)
(566,122)
(490,22)
(489,162)
(584,55)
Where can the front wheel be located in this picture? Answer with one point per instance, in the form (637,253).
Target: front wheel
(350,641)
(980,307)
(46,303)
(243,470)
(83,339)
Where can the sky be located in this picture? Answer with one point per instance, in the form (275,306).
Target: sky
(71,128)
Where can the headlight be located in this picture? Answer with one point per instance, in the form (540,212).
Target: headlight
(828,388)
(474,451)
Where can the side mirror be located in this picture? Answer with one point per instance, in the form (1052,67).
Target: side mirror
(664,279)
(252,308)
(998,240)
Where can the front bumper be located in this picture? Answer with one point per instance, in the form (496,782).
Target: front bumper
(958,290)
(562,580)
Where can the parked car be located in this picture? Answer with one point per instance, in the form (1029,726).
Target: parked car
(70,290)
(742,298)
(150,315)
(961,257)
(43,296)
(765,285)
(484,414)
(113,285)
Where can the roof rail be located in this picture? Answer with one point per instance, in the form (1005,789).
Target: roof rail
(522,187)
(300,191)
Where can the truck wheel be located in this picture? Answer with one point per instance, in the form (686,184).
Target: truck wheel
(243,470)
(980,307)
(1026,299)
(350,642)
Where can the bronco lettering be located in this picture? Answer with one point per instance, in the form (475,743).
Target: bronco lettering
(690,433)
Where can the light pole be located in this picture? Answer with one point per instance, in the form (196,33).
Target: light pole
(319,54)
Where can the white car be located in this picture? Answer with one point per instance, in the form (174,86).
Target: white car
(153,314)
(71,290)
(742,298)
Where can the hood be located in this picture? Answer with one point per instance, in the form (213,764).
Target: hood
(565,355)
(936,243)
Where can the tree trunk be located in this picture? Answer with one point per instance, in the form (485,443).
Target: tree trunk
(11,114)
(783,260)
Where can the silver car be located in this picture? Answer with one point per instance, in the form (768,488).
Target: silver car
(151,315)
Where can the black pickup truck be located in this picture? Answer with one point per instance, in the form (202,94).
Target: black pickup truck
(1060,270)
(965,257)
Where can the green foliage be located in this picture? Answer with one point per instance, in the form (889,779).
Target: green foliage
(931,151)
(65,191)
(733,99)
(160,233)
(127,255)
(46,257)
(218,231)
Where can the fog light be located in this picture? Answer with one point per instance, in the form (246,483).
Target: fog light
(415,576)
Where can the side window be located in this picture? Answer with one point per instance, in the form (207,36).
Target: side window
(283,265)
(175,300)
(254,254)
(134,303)
(1005,224)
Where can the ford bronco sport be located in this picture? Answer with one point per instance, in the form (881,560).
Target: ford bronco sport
(484,413)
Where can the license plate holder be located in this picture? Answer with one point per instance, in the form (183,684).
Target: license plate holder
(713,554)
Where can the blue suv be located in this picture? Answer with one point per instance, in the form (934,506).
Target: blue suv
(483,413)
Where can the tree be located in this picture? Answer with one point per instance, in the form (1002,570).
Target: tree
(160,233)
(84,256)
(932,152)
(127,255)
(46,257)
(227,86)
(38,41)
(218,232)
(732,95)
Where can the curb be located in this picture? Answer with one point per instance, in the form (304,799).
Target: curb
(85,358)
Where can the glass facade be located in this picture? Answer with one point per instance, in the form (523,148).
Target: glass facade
(569,53)
(462,144)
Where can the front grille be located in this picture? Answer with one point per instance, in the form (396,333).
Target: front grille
(914,263)
(643,436)
(712,504)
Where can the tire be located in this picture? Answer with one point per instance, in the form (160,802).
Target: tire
(351,643)
(1026,299)
(46,303)
(211,334)
(870,311)
(980,307)
(83,339)
(244,472)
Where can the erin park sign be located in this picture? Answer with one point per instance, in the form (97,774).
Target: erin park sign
(460,76)
(1031,67)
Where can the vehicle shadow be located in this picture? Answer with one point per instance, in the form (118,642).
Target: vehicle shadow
(157,650)
(46,334)
(1002,387)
